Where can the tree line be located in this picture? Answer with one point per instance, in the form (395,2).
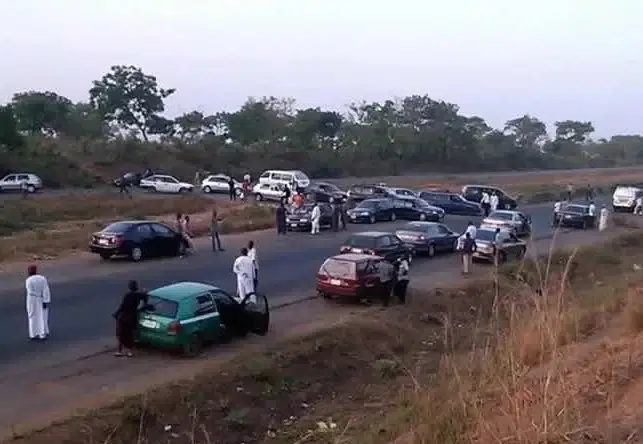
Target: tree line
(122,125)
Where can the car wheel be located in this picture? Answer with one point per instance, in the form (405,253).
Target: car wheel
(105,256)
(258,197)
(31,189)
(422,216)
(182,190)
(372,219)
(193,347)
(136,254)
(207,189)
(155,189)
(393,217)
(431,250)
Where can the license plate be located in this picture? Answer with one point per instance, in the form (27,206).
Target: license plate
(149,324)
(103,241)
(293,225)
(335,282)
(357,250)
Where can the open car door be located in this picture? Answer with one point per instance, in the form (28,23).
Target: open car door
(258,315)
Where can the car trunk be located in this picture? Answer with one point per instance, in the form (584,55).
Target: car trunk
(407,235)
(154,325)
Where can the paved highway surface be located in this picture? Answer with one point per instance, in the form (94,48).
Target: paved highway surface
(81,308)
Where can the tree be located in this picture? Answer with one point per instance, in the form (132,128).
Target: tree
(193,126)
(131,98)
(84,121)
(41,112)
(10,137)
(528,131)
(573,131)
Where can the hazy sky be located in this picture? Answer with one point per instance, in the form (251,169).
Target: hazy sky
(555,59)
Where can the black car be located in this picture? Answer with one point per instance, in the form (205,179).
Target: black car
(138,240)
(576,216)
(131,179)
(428,237)
(298,219)
(325,191)
(358,193)
(371,211)
(386,245)
(413,208)
(474,194)
(451,203)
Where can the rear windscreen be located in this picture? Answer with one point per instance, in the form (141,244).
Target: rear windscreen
(163,307)
(361,242)
(339,269)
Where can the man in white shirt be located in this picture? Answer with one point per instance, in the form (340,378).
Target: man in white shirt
(485,202)
(252,254)
(602,221)
(38,299)
(315,218)
(494,201)
(638,208)
(471,229)
(557,208)
(592,213)
(243,268)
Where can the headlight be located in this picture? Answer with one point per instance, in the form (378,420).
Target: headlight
(364,213)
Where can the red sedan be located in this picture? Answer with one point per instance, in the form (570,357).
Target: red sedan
(352,275)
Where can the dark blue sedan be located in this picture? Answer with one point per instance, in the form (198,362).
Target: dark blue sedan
(428,237)
(451,203)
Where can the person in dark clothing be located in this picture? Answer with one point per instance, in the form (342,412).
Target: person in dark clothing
(402,281)
(468,248)
(388,279)
(344,215)
(589,193)
(287,193)
(337,214)
(281,218)
(127,318)
(231,190)
(214,230)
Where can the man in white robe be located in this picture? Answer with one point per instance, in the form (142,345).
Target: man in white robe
(494,201)
(602,219)
(252,254)
(315,219)
(243,267)
(38,299)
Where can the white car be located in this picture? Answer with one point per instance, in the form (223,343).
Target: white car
(402,192)
(13,182)
(624,198)
(165,184)
(267,191)
(218,183)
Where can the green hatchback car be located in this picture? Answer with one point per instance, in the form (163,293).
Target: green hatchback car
(187,315)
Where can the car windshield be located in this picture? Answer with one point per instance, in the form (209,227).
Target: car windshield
(117,227)
(501,216)
(361,241)
(422,204)
(162,307)
(485,235)
(300,176)
(576,208)
(339,269)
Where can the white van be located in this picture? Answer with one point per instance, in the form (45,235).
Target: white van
(290,178)
(624,198)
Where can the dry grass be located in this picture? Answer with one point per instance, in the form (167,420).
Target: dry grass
(547,353)
(41,227)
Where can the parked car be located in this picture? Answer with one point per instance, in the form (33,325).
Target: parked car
(267,191)
(298,219)
(188,315)
(575,216)
(402,192)
(165,184)
(416,209)
(137,239)
(293,178)
(355,276)
(13,182)
(132,179)
(325,191)
(624,198)
(371,211)
(514,221)
(428,237)
(474,194)
(377,243)
(451,203)
(219,183)
(358,193)
(508,245)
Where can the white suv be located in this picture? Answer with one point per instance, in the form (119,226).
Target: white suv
(292,178)
(13,182)
(165,184)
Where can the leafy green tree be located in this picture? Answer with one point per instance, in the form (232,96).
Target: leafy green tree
(41,112)
(132,99)
(573,131)
(193,126)
(10,137)
(84,121)
(528,131)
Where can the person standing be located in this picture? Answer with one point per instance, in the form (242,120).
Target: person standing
(468,248)
(557,207)
(344,215)
(244,270)
(638,207)
(126,316)
(252,254)
(592,214)
(471,229)
(315,218)
(402,282)
(287,193)
(38,299)
(280,215)
(197,179)
(337,214)
(602,221)
(570,192)
(496,247)
(485,202)
(232,192)
(494,201)
(187,234)
(214,230)
(387,281)
(589,193)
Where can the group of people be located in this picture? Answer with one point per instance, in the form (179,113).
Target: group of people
(489,202)
(602,217)
(339,217)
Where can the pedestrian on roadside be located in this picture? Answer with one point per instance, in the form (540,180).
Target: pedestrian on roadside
(287,193)
(602,221)
(38,299)
(280,215)
(485,202)
(127,318)
(344,215)
(232,192)
(187,233)
(252,254)
(589,193)
(570,192)
(197,179)
(243,268)
(496,247)
(638,207)
(24,188)
(592,213)
(337,214)
(557,207)
(402,269)
(468,248)
(214,230)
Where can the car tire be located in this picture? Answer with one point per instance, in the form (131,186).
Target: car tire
(372,219)
(156,190)
(207,189)
(422,217)
(193,347)
(105,256)
(431,251)
(183,190)
(393,217)
(136,254)
(258,197)
(31,189)
(324,295)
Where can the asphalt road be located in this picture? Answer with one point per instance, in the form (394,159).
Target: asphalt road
(81,308)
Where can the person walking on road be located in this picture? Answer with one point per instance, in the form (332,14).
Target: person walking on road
(638,207)
(252,254)
(127,318)
(232,192)
(485,202)
(570,192)
(402,269)
(589,193)
(280,214)
(494,201)
(557,207)
(602,220)
(243,268)
(315,219)
(468,248)
(214,230)
(38,299)
(592,213)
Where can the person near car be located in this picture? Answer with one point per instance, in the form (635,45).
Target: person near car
(387,281)
(592,213)
(232,192)
(570,191)
(24,188)
(638,207)
(252,254)
(247,178)
(287,193)
(468,248)
(38,300)
(187,233)
(402,269)
(243,268)
(126,316)
(485,202)
(496,247)
(344,215)
(471,229)
(337,214)
(494,201)
(557,207)
(602,219)
(589,193)
(280,214)
(214,230)
(124,187)
(315,218)
(197,179)
(246,186)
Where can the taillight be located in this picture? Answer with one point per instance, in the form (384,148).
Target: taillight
(174,328)
(369,251)
(322,276)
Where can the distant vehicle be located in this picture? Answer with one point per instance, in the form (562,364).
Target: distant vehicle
(266,191)
(137,240)
(624,198)
(292,178)
(451,203)
(377,243)
(355,276)
(576,216)
(358,193)
(509,246)
(299,219)
(474,194)
(514,221)
(371,211)
(219,183)
(402,192)
(188,315)
(165,184)
(428,237)
(414,208)
(132,179)
(325,191)
(13,182)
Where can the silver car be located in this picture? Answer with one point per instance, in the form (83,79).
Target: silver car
(513,221)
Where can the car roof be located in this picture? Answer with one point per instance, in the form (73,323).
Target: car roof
(371,234)
(133,222)
(420,223)
(355,257)
(482,186)
(376,199)
(181,290)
